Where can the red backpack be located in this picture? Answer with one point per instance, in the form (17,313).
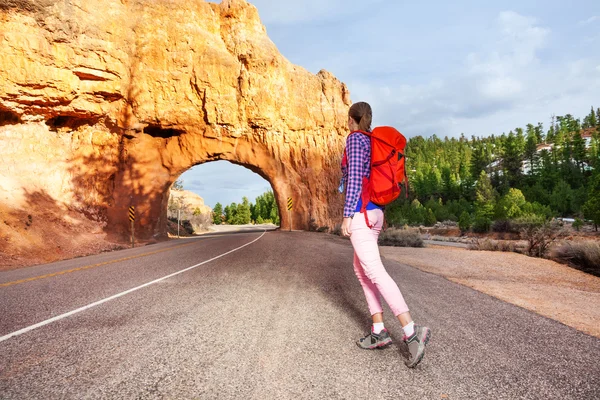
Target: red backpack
(388,171)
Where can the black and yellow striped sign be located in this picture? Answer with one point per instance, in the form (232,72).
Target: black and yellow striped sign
(290,203)
(132,213)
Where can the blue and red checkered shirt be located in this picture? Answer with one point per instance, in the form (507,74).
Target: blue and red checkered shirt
(357,166)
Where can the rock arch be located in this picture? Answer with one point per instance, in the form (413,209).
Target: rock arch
(132,94)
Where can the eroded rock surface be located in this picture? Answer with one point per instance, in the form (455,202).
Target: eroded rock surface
(105,104)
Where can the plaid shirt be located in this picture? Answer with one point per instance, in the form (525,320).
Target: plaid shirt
(358,151)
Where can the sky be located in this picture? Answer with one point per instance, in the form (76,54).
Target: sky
(436,67)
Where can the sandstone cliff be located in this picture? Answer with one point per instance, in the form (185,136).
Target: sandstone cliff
(104,104)
(190,202)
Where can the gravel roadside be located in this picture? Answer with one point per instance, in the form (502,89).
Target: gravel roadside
(550,289)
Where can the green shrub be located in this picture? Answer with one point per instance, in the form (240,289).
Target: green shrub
(510,205)
(529,221)
(537,209)
(442,213)
(503,226)
(395,213)
(481,224)
(430,218)
(400,238)
(577,224)
(581,255)
(464,222)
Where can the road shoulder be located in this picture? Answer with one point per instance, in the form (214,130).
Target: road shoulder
(542,286)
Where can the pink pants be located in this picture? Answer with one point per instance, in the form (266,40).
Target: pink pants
(369,269)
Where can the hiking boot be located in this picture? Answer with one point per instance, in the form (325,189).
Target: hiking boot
(416,345)
(374,340)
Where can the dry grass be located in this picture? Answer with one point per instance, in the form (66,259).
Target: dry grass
(581,255)
(401,238)
(201,223)
(495,245)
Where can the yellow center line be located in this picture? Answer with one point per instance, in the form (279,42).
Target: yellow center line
(68,271)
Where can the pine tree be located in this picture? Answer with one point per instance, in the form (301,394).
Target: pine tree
(551,136)
(266,208)
(449,187)
(484,197)
(231,214)
(594,151)
(591,120)
(520,140)
(561,198)
(531,149)
(548,174)
(243,212)
(430,219)
(591,208)
(464,222)
(218,214)
(512,160)
(479,159)
(539,132)
(579,152)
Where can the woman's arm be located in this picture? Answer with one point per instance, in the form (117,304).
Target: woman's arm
(355,154)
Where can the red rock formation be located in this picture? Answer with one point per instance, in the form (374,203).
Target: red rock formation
(105,104)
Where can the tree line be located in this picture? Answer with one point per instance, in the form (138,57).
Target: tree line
(263,211)
(529,173)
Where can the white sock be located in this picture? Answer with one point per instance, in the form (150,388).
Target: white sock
(377,327)
(409,329)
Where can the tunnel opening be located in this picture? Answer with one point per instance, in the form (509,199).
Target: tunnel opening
(221,196)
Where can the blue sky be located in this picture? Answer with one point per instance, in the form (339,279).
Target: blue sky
(435,67)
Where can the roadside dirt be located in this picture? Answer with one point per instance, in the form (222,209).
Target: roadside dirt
(548,288)
(46,233)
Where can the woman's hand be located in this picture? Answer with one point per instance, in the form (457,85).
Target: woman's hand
(346,226)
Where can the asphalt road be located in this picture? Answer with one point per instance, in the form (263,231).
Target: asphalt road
(276,319)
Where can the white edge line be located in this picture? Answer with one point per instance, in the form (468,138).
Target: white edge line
(97,303)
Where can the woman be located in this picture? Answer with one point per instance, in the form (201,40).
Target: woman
(368,267)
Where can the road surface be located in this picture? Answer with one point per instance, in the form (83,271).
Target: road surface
(267,315)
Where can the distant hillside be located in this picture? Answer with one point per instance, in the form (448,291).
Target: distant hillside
(546,172)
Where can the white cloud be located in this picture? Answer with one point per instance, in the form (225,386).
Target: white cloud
(589,20)
(504,85)
(501,88)
(522,38)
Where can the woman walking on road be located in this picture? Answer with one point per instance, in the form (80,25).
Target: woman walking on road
(369,269)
